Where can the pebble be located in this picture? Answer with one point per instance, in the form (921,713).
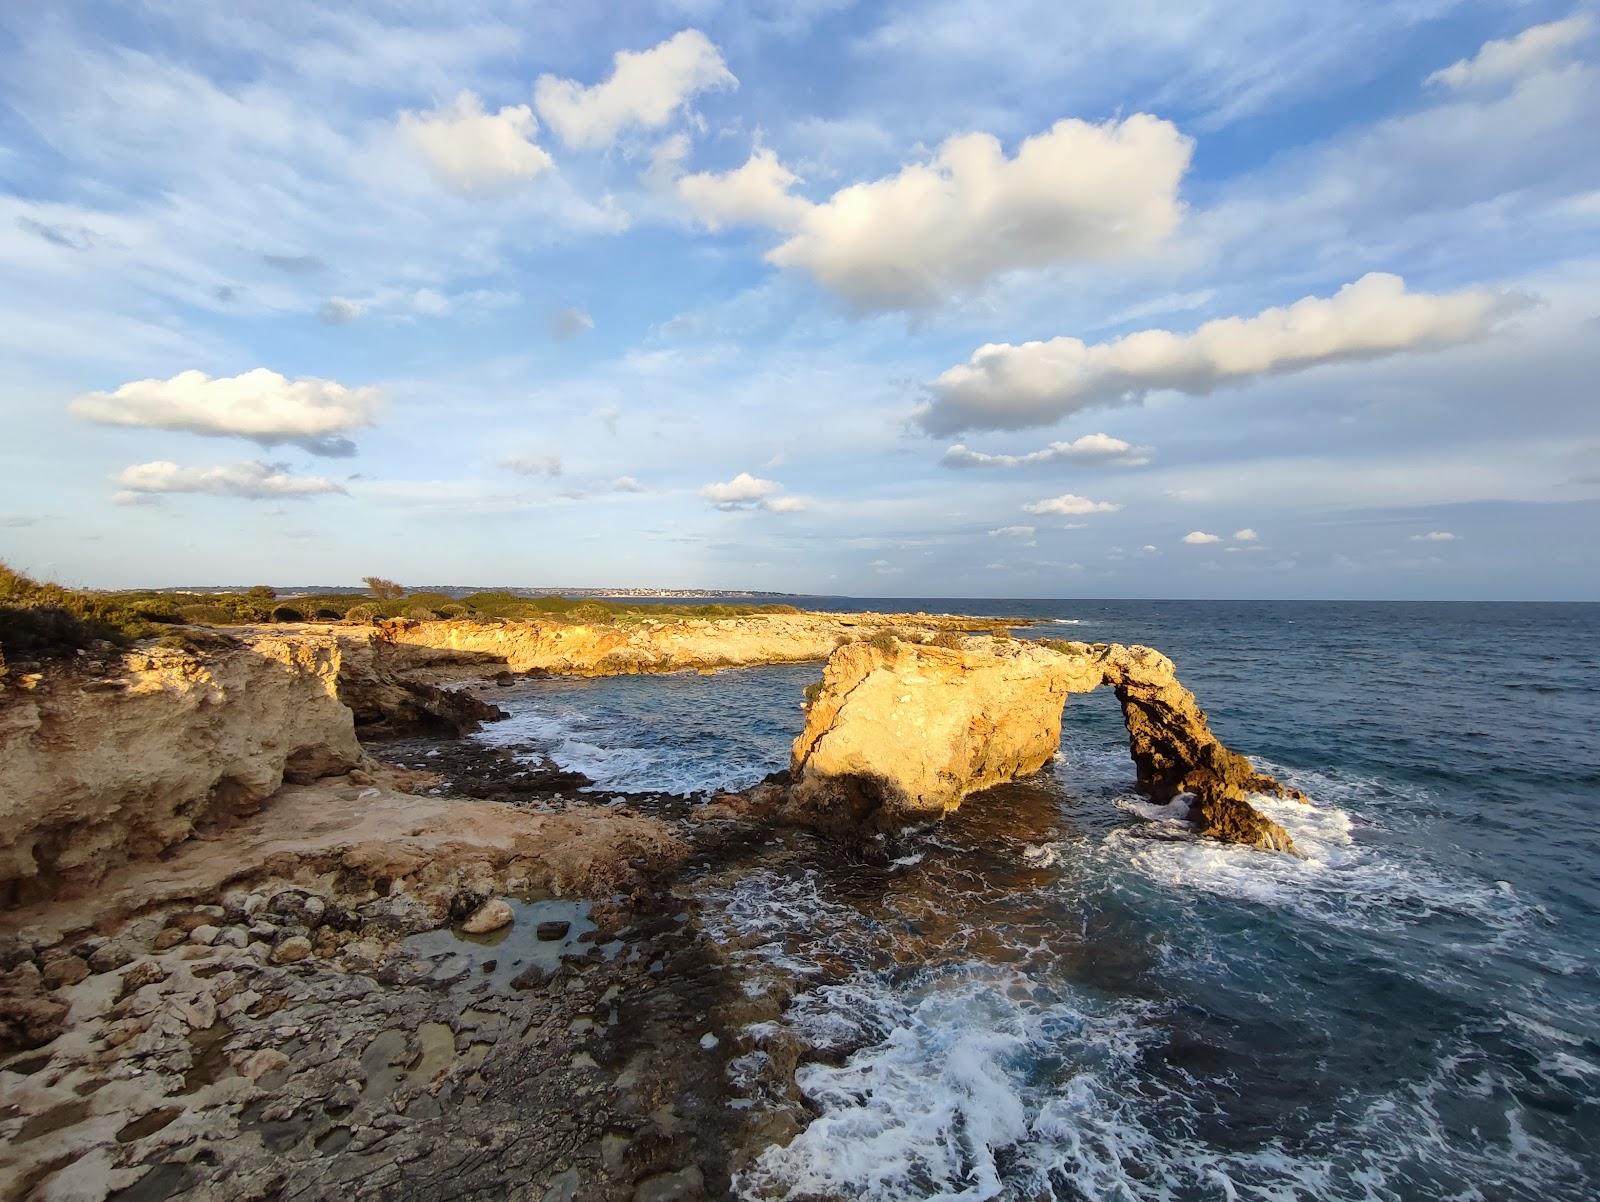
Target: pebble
(491,916)
(550,931)
(235,937)
(205,934)
(66,970)
(110,956)
(296,947)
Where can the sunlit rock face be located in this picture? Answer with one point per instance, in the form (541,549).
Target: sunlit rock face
(901,732)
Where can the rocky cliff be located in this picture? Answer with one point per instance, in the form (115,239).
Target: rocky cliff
(113,759)
(900,732)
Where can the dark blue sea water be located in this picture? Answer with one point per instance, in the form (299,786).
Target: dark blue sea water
(1048,997)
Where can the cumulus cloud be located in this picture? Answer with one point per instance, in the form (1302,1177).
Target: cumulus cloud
(1509,59)
(569,323)
(755,194)
(1435,536)
(470,148)
(626,484)
(1090,448)
(1199,538)
(1070,505)
(253,481)
(646,88)
(338,311)
(1077,192)
(260,405)
(745,491)
(1007,387)
(1246,535)
(533,465)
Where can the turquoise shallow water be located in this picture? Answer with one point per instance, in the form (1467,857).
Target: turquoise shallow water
(1044,997)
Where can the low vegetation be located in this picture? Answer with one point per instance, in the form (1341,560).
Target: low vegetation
(42,619)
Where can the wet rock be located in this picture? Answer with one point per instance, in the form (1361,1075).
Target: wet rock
(110,956)
(64,971)
(552,930)
(564,1188)
(291,950)
(448,971)
(532,977)
(682,1186)
(490,916)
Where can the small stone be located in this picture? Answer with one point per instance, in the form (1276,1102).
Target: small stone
(553,930)
(212,913)
(296,947)
(233,937)
(170,937)
(260,1063)
(312,910)
(264,932)
(491,916)
(110,957)
(254,903)
(64,971)
(204,934)
(531,977)
(708,1041)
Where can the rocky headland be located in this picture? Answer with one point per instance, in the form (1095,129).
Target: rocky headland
(244,955)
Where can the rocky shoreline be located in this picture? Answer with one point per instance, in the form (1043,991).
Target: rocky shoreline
(245,970)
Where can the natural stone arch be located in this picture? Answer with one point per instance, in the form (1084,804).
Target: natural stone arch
(903,732)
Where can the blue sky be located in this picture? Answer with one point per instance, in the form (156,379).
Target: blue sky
(1240,299)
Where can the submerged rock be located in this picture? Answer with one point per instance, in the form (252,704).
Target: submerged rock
(490,916)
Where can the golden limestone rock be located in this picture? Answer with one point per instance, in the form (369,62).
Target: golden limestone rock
(901,732)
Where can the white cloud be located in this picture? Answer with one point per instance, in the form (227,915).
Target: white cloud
(745,491)
(1070,504)
(338,311)
(533,465)
(1090,448)
(1005,387)
(1198,538)
(1077,192)
(1025,532)
(626,484)
(569,323)
(646,88)
(1149,549)
(469,148)
(755,194)
(254,481)
(259,405)
(1435,536)
(1246,535)
(1510,59)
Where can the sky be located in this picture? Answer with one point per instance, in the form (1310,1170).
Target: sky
(1226,298)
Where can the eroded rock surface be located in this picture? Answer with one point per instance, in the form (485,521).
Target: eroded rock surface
(900,732)
(119,761)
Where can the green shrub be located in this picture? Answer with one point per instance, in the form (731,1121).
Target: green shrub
(359,613)
(208,615)
(325,614)
(947,638)
(885,642)
(420,613)
(287,613)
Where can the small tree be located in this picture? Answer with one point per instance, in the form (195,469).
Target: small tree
(261,592)
(384,590)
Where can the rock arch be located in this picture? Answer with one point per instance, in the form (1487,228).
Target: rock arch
(903,732)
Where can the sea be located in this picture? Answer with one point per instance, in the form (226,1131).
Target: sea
(1054,995)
